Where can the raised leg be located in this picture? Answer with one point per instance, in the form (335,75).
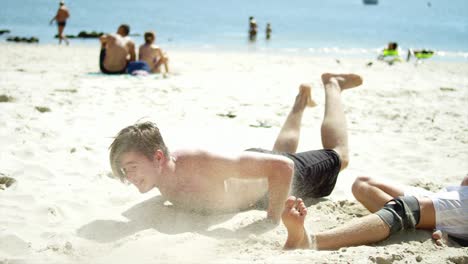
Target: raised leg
(162,61)
(374,194)
(334,130)
(288,138)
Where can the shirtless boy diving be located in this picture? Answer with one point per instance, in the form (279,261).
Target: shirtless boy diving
(203,180)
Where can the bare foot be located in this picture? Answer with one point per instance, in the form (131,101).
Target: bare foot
(293,218)
(304,98)
(344,81)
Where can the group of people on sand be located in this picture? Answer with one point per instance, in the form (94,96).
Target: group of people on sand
(210,181)
(118,55)
(207,181)
(391,54)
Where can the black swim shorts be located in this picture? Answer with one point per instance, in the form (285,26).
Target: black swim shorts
(315,171)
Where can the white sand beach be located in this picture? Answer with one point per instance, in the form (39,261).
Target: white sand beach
(407,123)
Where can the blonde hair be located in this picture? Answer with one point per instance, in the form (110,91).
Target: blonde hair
(144,138)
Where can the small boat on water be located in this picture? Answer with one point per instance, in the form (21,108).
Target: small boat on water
(370,2)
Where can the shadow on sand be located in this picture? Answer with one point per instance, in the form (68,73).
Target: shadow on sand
(154,214)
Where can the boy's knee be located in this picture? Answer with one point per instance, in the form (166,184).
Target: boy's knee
(362,180)
(360,186)
(344,162)
(344,157)
(403,212)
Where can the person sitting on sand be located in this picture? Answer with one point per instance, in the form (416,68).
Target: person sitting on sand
(393,209)
(390,54)
(202,180)
(117,50)
(152,54)
(61,17)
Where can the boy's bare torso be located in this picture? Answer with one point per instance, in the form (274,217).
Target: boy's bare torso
(197,187)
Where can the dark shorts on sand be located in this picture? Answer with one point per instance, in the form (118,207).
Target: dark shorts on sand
(315,171)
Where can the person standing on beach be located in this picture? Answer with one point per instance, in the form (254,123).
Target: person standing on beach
(117,50)
(203,180)
(252,29)
(152,54)
(393,209)
(268,31)
(61,17)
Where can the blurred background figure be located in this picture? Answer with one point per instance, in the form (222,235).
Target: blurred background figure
(61,17)
(117,51)
(390,54)
(268,31)
(152,54)
(252,29)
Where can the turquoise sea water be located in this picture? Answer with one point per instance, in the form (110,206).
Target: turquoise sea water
(332,26)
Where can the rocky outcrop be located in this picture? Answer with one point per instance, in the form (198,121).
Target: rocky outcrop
(23,39)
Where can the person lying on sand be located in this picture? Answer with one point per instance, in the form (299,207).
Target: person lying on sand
(393,209)
(202,180)
(117,50)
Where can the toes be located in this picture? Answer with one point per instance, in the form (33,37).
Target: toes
(358,79)
(326,77)
(300,206)
(299,202)
(303,212)
(290,202)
